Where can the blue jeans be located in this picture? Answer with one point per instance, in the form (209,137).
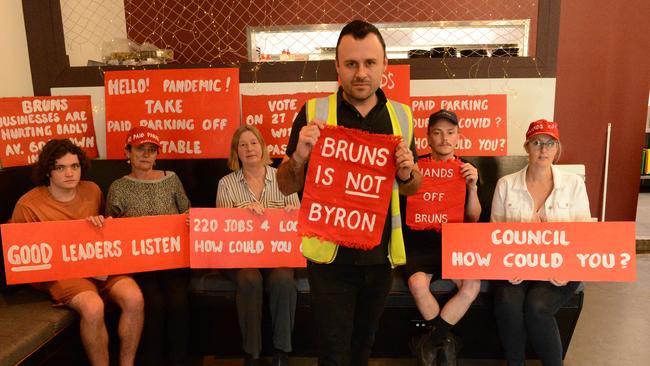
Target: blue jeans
(347,301)
(528,310)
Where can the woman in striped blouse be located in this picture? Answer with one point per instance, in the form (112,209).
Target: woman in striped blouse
(253,185)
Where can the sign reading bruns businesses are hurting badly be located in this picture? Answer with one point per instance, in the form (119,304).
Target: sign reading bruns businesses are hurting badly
(568,251)
(348,187)
(55,250)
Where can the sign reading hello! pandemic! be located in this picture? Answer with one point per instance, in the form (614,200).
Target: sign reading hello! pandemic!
(194,111)
(273,115)
(481,119)
(348,187)
(238,238)
(54,250)
(27,123)
(576,251)
(441,197)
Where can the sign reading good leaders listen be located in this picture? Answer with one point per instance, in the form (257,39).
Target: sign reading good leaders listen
(194,111)
(481,119)
(27,123)
(567,251)
(273,115)
(348,187)
(441,197)
(238,238)
(55,250)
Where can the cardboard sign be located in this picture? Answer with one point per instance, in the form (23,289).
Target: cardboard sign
(273,115)
(481,119)
(348,187)
(238,238)
(55,250)
(194,111)
(576,251)
(441,197)
(26,124)
(396,83)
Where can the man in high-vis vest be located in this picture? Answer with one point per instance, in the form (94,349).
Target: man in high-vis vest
(349,287)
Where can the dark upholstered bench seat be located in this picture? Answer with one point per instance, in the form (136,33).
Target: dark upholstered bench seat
(28,321)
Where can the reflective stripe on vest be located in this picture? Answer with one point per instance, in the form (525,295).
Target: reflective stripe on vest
(323,251)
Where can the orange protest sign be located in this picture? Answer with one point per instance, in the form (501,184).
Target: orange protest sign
(27,123)
(441,197)
(576,251)
(348,187)
(273,115)
(238,238)
(54,250)
(396,83)
(481,119)
(194,111)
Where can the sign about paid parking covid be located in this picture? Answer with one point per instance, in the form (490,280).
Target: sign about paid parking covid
(27,123)
(55,250)
(194,111)
(566,251)
(239,238)
(482,120)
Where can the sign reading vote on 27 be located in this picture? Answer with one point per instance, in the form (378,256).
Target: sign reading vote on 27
(194,111)
(238,238)
(54,250)
(348,187)
(273,115)
(27,123)
(481,119)
(569,251)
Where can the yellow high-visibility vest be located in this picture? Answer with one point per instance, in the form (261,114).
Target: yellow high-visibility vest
(322,251)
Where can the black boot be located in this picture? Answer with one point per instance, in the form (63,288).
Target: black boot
(448,350)
(425,351)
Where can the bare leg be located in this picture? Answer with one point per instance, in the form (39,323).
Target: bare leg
(419,284)
(94,336)
(457,306)
(126,294)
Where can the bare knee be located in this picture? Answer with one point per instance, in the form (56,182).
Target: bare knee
(419,284)
(469,289)
(90,307)
(127,296)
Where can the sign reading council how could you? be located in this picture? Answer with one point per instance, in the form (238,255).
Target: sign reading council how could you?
(568,251)
(481,120)
(55,250)
(27,123)
(194,111)
(238,238)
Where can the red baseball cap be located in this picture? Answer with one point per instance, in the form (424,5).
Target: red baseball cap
(543,126)
(142,135)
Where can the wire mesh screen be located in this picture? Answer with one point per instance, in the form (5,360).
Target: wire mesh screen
(208,32)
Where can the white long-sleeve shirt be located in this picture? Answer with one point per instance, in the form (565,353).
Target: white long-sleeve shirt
(567,202)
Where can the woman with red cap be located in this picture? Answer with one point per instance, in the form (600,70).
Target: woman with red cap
(149,192)
(540,192)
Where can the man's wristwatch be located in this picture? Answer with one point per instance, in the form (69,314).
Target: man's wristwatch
(404,181)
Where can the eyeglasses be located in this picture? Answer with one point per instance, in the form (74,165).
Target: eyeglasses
(142,149)
(61,168)
(539,144)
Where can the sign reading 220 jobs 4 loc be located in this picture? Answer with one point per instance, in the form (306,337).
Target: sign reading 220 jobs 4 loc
(194,111)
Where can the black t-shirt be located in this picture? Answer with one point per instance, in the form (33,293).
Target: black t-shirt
(377,121)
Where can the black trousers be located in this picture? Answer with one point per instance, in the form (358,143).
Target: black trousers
(347,301)
(526,311)
(166,317)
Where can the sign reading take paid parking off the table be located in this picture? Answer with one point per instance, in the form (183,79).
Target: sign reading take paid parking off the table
(27,123)
(194,111)
(348,187)
(238,238)
(481,119)
(273,115)
(54,250)
(576,251)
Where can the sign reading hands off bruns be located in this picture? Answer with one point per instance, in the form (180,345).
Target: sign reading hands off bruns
(567,251)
